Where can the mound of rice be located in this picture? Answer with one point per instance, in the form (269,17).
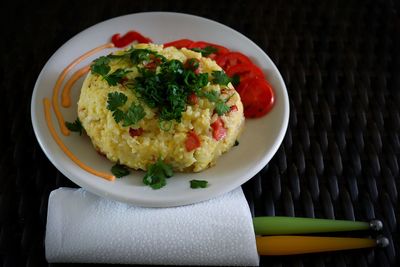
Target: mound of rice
(138,152)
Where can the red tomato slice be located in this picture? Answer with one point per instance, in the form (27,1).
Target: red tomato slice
(242,86)
(179,43)
(219,131)
(225,61)
(192,141)
(257,96)
(128,38)
(220,49)
(245,71)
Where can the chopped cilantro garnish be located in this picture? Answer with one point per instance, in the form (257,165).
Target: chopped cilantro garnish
(100,66)
(173,67)
(220,77)
(75,126)
(206,51)
(220,105)
(212,96)
(168,89)
(118,115)
(134,114)
(221,108)
(116,76)
(198,184)
(116,100)
(119,170)
(139,55)
(195,82)
(157,174)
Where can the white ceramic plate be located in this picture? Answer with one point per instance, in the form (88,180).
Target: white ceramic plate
(258,143)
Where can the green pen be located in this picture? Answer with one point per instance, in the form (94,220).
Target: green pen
(276,225)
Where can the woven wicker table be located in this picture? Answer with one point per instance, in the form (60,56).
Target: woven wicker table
(340,157)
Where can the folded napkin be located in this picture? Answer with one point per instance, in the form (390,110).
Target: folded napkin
(85,228)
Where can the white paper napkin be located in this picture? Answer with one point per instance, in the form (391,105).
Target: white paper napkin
(82,227)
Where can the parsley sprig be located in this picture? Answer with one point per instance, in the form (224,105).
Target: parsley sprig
(101,67)
(220,105)
(119,170)
(145,55)
(116,100)
(132,116)
(116,77)
(220,77)
(157,174)
(198,184)
(75,126)
(168,89)
(206,51)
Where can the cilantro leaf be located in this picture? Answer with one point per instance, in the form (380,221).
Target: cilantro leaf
(206,51)
(100,66)
(116,100)
(195,82)
(157,174)
(75,126)
(120,54)
(134,114)
(173,67)
(176,103)
(116,76)
(139,55)
(119,170)
(220,77)
(118,115)
(167,169)
(155,181)
(221,108)
(212,96)
(198,184)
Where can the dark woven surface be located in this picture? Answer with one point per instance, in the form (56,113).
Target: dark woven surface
(339,159)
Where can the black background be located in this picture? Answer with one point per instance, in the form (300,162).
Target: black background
(340,157)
